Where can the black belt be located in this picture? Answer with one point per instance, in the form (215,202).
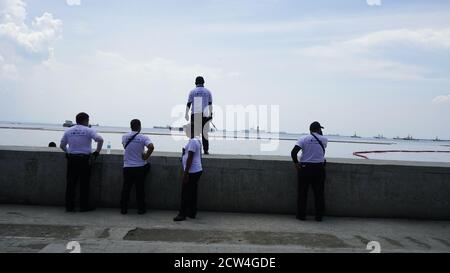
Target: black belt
(79,155)
(312,164)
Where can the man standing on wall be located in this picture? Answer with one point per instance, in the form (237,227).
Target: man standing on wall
(79,139)
(201,101)
(311,170)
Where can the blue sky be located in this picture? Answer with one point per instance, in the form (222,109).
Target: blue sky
(374,69)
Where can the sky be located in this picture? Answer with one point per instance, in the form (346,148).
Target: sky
(365,66)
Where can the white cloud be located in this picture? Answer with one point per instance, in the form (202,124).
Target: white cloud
(356,55)
(441,99)
(37,38)
(7,71)
(429,38)
(374,2)
(13,11)
(157,67)
(73,2)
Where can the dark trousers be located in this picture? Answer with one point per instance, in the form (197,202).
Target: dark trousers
(78,171)
(134,176)
(314,175)
(189,196)
(198,119)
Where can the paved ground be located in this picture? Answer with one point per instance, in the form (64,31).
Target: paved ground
(50,229)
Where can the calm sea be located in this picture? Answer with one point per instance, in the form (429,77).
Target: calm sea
(39,135)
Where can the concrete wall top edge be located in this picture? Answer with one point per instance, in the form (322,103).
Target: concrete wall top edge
(249,157)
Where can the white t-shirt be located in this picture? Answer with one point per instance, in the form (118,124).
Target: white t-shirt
(194,145)
(133,153)
(312,152)
(200,98)
(79,138)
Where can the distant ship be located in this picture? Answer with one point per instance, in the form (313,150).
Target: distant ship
(355,136)
(379,137)
(409,137)
(437,139)
(68,124)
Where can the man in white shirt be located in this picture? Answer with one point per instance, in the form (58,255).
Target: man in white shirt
(79,151)
(192,171)
(200,99)
(311,170)
(135,166)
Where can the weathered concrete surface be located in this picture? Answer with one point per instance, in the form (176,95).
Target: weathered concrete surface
(354,188)
(50,229)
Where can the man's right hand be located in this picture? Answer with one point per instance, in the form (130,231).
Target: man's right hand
(95,154)
(186,117)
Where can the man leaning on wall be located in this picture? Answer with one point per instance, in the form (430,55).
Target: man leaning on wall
(77,143)
(311,170)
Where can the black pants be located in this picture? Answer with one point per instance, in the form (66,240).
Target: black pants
(196,119)
(78,171)
(134,176)
(314,175)
(189,196)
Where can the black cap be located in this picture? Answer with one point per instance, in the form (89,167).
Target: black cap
(315,126)
(199,80)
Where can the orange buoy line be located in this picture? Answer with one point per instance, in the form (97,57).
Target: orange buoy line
(362,154)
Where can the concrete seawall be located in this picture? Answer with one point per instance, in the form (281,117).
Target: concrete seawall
(356,188)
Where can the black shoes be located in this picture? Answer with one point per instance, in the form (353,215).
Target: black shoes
(191,216)
(88,209)
(179,218)
(124,211)
(142,211)
(303,218)
(72,210)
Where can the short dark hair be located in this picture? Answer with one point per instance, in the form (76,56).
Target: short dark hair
(199,80)
(135,124)
(52,145)
(81,117)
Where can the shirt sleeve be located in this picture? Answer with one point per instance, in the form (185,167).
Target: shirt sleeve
(325,142)
(191,97)
(191,146)
(147,141)
(95,136)
(64,140)
(124,138)
(300,142)
(210,98)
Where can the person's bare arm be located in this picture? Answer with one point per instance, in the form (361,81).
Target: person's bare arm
(150,149)
(99,145)
(188,108)
(294,155)
(63,144)
(63,147)
(210,110)
(189,161)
